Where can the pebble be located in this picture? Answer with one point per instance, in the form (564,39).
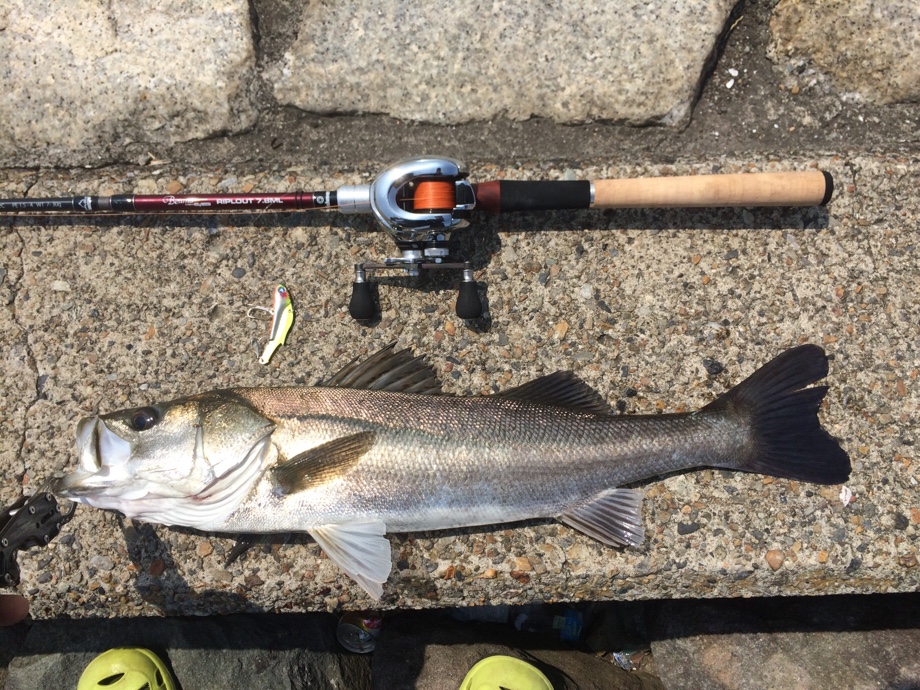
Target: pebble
(238,272)
(60,286)
(205,549)
(523,564)
(560,329)
(689,528)
(775,558)
(101,562)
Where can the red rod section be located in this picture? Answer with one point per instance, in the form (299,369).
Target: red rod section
(173,203)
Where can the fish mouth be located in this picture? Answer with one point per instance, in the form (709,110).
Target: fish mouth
(99,451)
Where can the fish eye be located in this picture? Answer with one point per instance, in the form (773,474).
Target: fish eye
(144,418)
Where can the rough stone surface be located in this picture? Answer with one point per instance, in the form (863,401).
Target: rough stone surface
(818,643)
(745,105)
(154,312)
(425,653)
(446,63)
(213,653)
(868,48)
(91,75)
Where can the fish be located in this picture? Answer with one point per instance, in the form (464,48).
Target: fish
(378,448)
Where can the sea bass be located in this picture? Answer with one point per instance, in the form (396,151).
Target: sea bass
(378,449)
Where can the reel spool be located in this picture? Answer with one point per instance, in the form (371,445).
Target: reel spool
(419,201)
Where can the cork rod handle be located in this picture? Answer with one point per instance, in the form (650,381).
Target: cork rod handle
(809,188)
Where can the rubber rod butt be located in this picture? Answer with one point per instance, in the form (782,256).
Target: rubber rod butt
(361,304)
(828,188)
(469,305)
(505,196)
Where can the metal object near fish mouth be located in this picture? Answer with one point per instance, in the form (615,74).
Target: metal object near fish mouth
(374,449)
(30,521)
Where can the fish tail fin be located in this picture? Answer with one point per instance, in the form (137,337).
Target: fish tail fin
(787,438)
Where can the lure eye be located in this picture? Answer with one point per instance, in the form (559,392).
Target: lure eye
(144,418)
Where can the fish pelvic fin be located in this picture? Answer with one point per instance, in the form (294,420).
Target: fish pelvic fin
(787,439)
(321,464)
(387,370)
(613,518)
(560,389)
(360,549)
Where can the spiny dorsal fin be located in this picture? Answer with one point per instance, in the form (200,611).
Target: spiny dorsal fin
(562,389)
(322,463)
(614,518)
(386,370)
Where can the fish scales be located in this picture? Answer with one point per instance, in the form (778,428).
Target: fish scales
(374,449)
(433,454)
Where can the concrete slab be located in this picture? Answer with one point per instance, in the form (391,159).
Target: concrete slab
(88,75)
(120,312)
(448,63)
(810,643)
(867,49)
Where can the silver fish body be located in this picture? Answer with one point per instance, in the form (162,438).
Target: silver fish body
(439,462)
(374,451)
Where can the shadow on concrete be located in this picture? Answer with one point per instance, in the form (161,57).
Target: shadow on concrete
(160,583)
(832,613)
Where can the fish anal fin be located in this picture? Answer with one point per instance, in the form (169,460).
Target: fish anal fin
(613,518)
(387,370)
(561,389)
(360,549)
(322,463)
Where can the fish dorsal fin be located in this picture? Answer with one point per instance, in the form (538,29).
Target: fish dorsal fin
(562,389)
(322,463)
(614,518)
(387,370)
(360,549)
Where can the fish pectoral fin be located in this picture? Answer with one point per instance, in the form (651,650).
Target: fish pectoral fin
(360,549)
(322,463)
(614,518)
(561,389)
(386,370)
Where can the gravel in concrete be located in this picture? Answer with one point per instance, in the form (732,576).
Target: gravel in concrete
(867,49)
(90,75)
(448,63)
(116,313)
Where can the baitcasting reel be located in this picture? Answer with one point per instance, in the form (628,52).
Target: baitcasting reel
(419,201)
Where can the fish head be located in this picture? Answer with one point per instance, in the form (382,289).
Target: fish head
(173,450)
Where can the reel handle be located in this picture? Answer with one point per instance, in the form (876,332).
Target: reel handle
(469,306)
(361,305)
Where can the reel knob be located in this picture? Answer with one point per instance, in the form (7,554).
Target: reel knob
(361,305)
(469,306)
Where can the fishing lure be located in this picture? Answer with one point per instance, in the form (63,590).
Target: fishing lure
(282,312)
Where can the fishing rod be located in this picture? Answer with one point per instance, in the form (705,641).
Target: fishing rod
(420,201)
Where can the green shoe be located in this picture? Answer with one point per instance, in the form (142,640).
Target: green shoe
(126,668)
(507,672)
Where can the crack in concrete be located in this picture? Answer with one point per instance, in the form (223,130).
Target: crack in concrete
(30,360)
